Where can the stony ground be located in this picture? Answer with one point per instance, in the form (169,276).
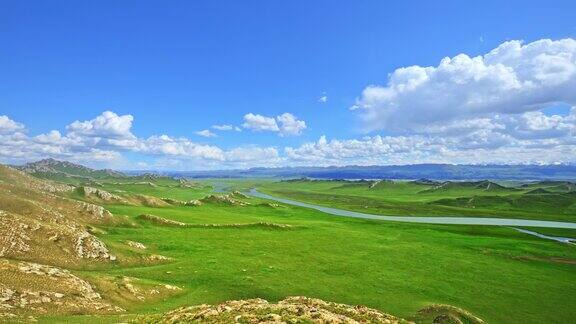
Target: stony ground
(289,310)
(303,310)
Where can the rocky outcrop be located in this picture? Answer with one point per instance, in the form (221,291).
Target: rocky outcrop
(136,245)
(31,287)
(150,201)
(161,221)
(98,212)
(227,199)
(14,235)
(39,224)
(289,310)
(29,239)
(238,194)
(103,195)
(439,313)
(168,222)
(193,202)
(270,204)
(89,247)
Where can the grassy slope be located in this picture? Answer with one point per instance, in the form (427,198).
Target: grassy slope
(397,268)
(407,198)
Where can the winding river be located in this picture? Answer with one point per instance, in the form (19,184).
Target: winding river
(428,220)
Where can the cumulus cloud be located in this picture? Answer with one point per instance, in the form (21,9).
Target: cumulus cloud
(290,125)
(8,126)
(513,78)
(484,109)
(182,147)
(285,124)
(106,125)
(257,122)
(105,138)
(480,147)
(206,133)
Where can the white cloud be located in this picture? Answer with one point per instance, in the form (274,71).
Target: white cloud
(323,99)
(257,122)
(8,126)
(104,139)
(227,128)
(480,147)
(107,125)
(290,125)
(183,147)
(513,78)
(223,127)
(206,133)
(285,124)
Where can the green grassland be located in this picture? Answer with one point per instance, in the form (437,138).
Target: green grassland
(498,274)
(544,201)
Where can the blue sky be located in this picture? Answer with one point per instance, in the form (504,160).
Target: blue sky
(181,67)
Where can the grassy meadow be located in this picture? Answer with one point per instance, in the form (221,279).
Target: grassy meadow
(548,200)
(498,274)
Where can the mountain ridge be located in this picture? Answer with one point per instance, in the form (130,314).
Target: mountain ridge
(50,167)
(408,172)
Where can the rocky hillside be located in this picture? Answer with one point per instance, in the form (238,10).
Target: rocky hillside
(303,310)
(43,236)
(54,169)
(36,218)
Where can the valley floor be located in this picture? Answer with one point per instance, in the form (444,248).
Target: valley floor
(230,246)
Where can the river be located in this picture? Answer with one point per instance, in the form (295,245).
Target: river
(422,219)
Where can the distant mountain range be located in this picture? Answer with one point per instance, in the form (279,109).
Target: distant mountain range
(50,168)
(415,171)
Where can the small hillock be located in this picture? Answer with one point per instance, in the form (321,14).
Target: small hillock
(301,310)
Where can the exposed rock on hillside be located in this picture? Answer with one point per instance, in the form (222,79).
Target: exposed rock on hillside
(161,221)
(95,193)
(304,310)
(289,310)
(238,194)
(193,202)
(52,167)
(35,220)
(225,198)
(136,245)
(438,313)
(150,201)
(168,222)
(26,287)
